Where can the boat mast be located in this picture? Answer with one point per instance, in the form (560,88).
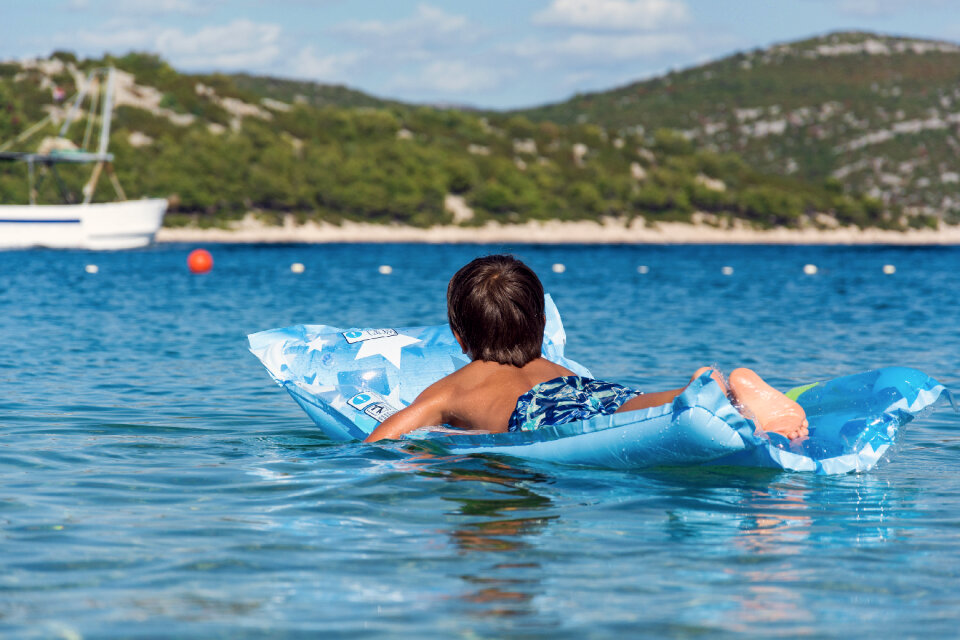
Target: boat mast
(107,114)
(94,105)
(91,185)
(72,113)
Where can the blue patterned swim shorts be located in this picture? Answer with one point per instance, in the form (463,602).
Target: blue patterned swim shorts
(567,399)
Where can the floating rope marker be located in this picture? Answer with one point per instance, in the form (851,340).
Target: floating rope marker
(810,269)
(727,271)
(385,269)
(889,269)
(559,267)
(643,269)
(91,268)
(297,267)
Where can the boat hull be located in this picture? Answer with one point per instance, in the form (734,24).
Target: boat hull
(100,226)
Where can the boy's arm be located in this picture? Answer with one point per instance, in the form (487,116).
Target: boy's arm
(428,409)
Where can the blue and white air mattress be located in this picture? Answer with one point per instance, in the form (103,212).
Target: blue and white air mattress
(350,380)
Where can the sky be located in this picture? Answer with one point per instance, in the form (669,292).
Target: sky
(492,53)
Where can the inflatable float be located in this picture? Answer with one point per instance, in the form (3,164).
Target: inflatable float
(349,380)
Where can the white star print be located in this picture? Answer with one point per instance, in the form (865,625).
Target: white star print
(389,348)
(316,344)
(338,403)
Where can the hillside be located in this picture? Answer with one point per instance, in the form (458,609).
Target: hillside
(879,115)
(305,92)
(220,147)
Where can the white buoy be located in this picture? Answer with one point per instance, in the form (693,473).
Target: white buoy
(297,267)
(727,271)
(92,268)
(559,267)
(889,269)
(385,269)
(643,269)
(810,269)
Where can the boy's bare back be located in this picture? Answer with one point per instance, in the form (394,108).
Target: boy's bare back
(480,396)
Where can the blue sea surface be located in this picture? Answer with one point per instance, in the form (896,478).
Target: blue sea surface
(154,482)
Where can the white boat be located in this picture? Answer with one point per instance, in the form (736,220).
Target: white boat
(126,224)
(107,225)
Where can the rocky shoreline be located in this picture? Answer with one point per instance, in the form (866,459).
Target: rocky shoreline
(610,231)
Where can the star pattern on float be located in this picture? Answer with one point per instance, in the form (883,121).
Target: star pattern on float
(317,344)
(389,348)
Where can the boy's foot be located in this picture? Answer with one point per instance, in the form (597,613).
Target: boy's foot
(772,410)
(715,375)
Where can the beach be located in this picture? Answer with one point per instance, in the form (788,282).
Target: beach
(610,231)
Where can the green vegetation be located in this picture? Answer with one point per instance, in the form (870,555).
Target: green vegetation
(877,113)
(221,146)
(304,92)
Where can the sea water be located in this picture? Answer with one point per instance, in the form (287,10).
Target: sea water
(154,482)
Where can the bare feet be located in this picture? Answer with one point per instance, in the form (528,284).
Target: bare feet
(715,375)
(772,410)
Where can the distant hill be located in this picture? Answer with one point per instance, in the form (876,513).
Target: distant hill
(222,146)
(878,114)
(305,92)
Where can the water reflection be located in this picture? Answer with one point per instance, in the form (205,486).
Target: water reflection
(775,524)
(501,515)
(773,538)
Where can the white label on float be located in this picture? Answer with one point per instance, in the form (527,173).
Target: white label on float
(352,337)
(372,404)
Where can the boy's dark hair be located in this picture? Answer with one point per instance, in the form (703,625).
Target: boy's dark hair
(495,304)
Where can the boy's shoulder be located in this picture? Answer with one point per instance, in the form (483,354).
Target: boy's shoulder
(464,379)
(467,374)
(450,392)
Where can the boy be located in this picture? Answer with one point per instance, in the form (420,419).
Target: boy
(496,311)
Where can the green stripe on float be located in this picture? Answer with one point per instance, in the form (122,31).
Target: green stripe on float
(795,393)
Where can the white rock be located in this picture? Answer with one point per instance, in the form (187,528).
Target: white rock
(139,139)
(276,105)
(711,183)
(457,206)
(53,143)
(579,152)
(525,146)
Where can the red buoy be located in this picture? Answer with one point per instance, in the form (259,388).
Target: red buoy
(200,261)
